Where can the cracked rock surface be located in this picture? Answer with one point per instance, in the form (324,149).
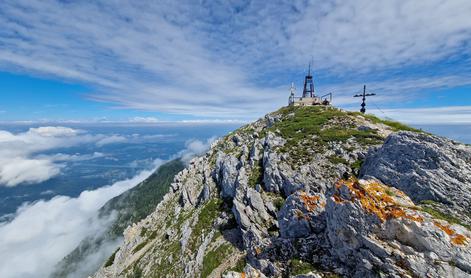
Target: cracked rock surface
(310,192)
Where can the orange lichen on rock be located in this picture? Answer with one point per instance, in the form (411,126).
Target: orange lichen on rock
(310,201)
(242,275)
(376,198)
(337,199)
(457,239)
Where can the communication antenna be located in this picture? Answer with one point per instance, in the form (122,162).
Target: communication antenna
(308,90)
(363,96)
(292,91)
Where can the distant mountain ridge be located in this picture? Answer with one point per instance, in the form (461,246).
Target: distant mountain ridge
(310,192)
(127,208)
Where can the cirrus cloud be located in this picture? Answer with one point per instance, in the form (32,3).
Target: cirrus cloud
(234,58)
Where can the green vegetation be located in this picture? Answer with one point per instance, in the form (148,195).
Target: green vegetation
(214,258)
(207,215)
(136,272)
(337,160)
(131,206)
(313,127)
(143,232)
(307,121)
(278,202)
(298,267)
(152,235)
(167,265)
(440,215)
(276,199)
(256,176)
(396,126)
(239,266)
(356,166)
(141,200)
(140,246)
(111,258)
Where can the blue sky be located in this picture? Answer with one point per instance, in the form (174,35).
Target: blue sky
(231,60)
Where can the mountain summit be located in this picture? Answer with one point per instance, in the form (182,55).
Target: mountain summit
(310,192)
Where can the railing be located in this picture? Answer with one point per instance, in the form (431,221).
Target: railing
(324,97)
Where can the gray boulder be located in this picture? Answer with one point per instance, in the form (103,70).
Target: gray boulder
(425,167)
(302,215)
(226,173)
(374,227)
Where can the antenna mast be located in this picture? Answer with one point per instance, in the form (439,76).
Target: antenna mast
(292,91)
(363,96)
(308,90)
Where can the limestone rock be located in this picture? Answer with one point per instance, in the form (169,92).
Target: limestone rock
(373,226)
(425,167)
(269,193)
(302,215)
(226,173)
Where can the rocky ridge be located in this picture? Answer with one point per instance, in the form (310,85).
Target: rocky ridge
(310,192)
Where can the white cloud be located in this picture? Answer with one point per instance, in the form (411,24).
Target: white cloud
(72,157)
(21,160)
(23,170)
(42,233)
(54,131)
(432,115)
(144,120)
(228,59)
(113,139)
(371,35)
(195,147)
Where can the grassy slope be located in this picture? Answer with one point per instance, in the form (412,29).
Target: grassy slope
(131,206)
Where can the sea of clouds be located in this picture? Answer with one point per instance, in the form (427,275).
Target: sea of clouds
(21,160)
(43,232)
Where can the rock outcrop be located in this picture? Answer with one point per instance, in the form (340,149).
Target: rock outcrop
(281,197)
(377,229)
(427,168)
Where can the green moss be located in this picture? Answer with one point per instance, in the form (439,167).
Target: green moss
(440,215)
(140,246)
(396,126)
(298,267)
(256,176)
(214,258)
(111,258)
(136,272)
(356,166)
(207,215)
(153,235)
(239,266)
(307,131)
(143,232)
(278,202)
(306,121)
(337,160)
(389,192)
(163,268)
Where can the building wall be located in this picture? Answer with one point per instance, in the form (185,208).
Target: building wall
(307,101)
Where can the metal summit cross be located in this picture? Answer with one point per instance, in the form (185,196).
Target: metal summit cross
(364,95)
